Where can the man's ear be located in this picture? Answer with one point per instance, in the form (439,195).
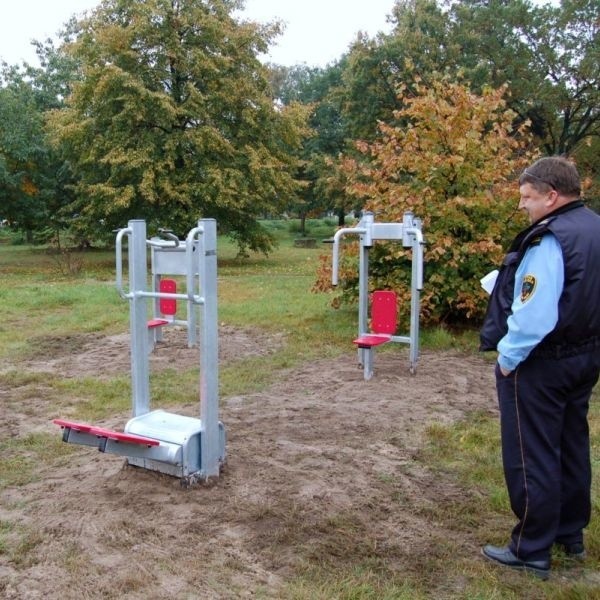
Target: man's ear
(553,199)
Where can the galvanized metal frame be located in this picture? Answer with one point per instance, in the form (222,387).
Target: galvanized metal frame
(202,440)
(409,233)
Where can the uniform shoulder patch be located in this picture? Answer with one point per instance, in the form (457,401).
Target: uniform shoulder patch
(528,287)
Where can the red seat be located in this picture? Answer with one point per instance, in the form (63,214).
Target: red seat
(166,306)
(370,340)
(384,319)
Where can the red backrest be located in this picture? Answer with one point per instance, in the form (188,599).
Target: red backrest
(384,312)
(167,306)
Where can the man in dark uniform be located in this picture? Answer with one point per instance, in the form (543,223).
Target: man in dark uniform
(544,320)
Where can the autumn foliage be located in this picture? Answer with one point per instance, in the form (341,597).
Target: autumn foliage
(452,158)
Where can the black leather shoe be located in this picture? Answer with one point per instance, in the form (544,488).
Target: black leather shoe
(505,557)
(574,551)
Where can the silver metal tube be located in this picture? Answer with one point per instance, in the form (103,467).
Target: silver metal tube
(415,296)
(336,249)
(195,299)
(189,255)
(364,354)
(140,374)
(415,307)
(171,243)
(418,254)
(119,262)
(209,351)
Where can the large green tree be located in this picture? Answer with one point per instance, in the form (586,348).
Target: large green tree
(319,90)
(34,181)
(173,119)
(548,55)
(417,46)
(21,150)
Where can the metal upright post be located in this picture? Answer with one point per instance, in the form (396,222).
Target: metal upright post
(140,376)
(413,237)
(209,350)
(157,334)
(192,324)
(366,242)
(363,296)
(415,304)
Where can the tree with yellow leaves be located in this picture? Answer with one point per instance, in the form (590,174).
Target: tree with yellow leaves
(172,118)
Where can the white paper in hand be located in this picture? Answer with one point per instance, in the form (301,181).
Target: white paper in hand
(489,281)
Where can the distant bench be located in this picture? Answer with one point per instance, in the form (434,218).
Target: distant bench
(305,243)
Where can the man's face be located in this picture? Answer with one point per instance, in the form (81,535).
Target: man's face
(536,204)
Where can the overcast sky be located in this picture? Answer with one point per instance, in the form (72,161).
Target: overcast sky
(317,31)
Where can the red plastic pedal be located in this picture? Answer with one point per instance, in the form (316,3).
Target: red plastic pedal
(121,436)
(157,323)
(109,434)
(368,341)
(82,427)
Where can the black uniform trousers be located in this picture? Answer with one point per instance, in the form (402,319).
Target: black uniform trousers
(546,449)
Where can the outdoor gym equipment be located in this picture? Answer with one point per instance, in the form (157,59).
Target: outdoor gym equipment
(384,309)
(182,446)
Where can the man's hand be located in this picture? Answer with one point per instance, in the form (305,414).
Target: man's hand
(504,371)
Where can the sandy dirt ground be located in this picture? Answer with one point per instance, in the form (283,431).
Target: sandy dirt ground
(321,470)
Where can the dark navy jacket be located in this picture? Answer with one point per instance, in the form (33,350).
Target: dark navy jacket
(577,230)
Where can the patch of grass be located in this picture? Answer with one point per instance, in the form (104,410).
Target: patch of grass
(248,376)
(74,558)
(5,529)
(357,583)
(54,310)
(23,554)
(94,399)
(15,378)
(442,338)
(470,448)
(22,455)
(173,387)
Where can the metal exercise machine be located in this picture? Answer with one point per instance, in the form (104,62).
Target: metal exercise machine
(185,447)
(410,235)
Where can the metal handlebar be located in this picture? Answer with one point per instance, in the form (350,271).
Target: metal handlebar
(336,249)
(167,233)
(189,295)
(119,254)
(417,254)
(406,232)
(189,255)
